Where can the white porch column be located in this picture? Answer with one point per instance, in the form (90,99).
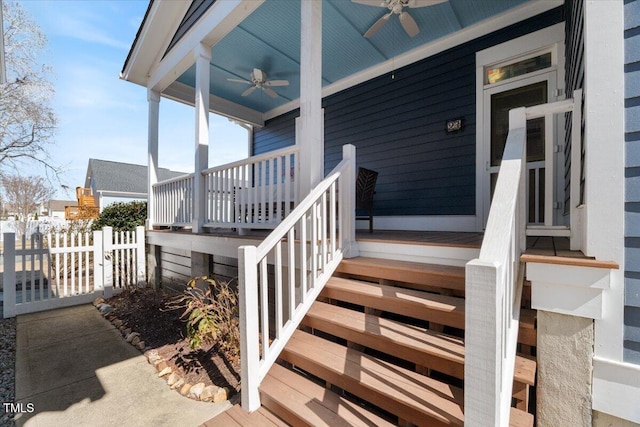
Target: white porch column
(604,161)
(202,55)
(153,98)
(311,133)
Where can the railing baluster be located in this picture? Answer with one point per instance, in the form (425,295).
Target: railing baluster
(314,245)
(309,222)
(303,256)
(263,190)
(323,223)
(291,270)
(278,289)
(264,306)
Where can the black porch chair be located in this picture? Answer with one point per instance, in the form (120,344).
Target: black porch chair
(365,189)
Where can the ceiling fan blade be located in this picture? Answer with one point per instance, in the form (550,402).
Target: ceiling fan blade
(249,91)
(270,92)
(240,81)
(257,75)
(277,83)
(380,3)
(409,24)
(424,3)
(379,23)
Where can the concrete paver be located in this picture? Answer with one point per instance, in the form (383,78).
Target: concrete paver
(74,369)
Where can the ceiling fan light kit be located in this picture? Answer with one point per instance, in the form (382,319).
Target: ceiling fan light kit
(396,7)
(259,81)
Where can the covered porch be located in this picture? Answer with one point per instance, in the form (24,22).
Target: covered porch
(474,122)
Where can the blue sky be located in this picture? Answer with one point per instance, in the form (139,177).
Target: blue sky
(101,116)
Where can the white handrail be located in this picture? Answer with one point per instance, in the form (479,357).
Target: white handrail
(282,277)
(265,156)
(494,281)
(493,288)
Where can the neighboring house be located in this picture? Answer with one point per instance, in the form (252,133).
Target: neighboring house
(112,182)
(442,115)
(54,208)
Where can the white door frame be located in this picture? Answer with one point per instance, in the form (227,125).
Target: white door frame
(550,39)
(550,76)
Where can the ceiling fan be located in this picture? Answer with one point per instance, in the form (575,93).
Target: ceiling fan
(259,81)
(397,7)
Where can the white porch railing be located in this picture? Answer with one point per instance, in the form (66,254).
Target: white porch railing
(257,192)
(173,202)
(281,278)
(494,280)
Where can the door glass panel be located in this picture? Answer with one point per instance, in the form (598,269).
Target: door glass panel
(501,103)
(498,74)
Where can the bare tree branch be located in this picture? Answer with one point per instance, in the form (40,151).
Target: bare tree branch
(27,120)
(22,196)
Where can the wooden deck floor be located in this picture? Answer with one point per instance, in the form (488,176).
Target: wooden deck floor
(550,246)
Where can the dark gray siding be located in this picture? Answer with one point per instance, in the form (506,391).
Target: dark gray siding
(574,79)
(397,124)
(195,11)
(632,175)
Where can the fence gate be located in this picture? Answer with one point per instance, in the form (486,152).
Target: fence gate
(64,269)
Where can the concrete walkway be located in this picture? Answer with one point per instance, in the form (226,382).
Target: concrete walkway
(74,369)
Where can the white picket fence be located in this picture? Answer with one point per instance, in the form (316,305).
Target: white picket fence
(63,269)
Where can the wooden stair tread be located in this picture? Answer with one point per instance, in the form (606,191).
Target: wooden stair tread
(300,401)
(431,349)
(236,417)
(437,275)
(440,309)
(528,318)
(518,418)
(408,394)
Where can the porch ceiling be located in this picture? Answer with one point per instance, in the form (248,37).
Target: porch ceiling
(269,39)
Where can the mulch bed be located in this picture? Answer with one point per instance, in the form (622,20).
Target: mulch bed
(146,311)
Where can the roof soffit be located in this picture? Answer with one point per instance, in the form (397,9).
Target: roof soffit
(158,28)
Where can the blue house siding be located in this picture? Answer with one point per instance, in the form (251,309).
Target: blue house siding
(632,177)
(574,79)
(397,122)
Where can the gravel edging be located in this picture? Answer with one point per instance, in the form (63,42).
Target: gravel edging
(200,391)
(7,368)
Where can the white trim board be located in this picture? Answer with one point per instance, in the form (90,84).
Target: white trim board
(203,243)
(568,289)
(462,223)
(429,254)
(551,38)
(604,162)
(616,389)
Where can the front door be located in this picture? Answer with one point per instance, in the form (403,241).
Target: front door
(498,100)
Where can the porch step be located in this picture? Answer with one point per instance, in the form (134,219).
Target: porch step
(236,417)
(410,396)
(440,309)
(412,274)
(434,350)
(302,402)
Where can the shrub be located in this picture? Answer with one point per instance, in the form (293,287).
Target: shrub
(122,216)
(211,315)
